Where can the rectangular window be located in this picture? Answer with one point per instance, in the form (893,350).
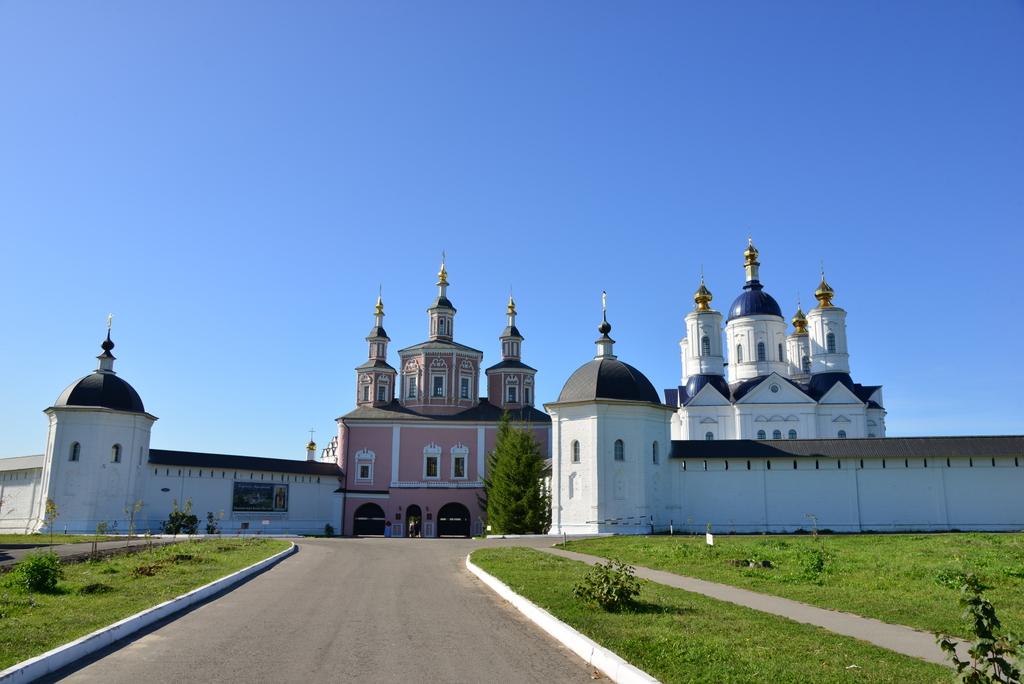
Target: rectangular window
(526,395)
(464,389)
(365,473)
(411,384)
(438,385)
(458,466)
(511,395)
(366,393)
(432,466)
(382,393)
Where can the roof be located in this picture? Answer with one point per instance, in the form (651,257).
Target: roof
(511,363)
(872,447)
(21,462)
(377,331)
(375,363)
(816,388)
(608,378)
(442,303)
(511,331)
(102,389)
(439,343)
(277,465)
(754,301)
(483,412)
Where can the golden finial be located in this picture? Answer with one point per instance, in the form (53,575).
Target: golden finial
(824,293)
(750,253)
(311,446)
(511,305)
(799,320)
(379,309)
(442,275)
(703,295)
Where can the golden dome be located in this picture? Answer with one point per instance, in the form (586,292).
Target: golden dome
(442,275)
(702,297)
(511,306)
(824,293)
(799,322)
(379,309)
(750,253)
(311,446)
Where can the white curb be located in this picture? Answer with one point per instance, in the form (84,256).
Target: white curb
(55,659)
(612,665)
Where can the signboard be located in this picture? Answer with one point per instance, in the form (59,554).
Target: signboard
(260,497)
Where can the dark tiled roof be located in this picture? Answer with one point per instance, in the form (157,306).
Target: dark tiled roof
(377,331)
(277,465)
(442,303)
(606,378)
(817,388)
(511,363)
(102,389)
(375,363)
(754,301)
(511,331)
(442,343)
(672,396)
(695,383)
(880,447)
(484,411)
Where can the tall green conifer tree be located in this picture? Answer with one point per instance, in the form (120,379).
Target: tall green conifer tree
(514,494)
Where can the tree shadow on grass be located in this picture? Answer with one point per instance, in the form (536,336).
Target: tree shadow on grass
(647,608)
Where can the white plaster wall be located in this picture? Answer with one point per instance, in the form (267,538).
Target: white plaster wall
(577,513)
(819,323)
(748,331)
(20,495)
(699,324)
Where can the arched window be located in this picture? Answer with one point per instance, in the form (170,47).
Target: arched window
(777,434)
(841,434)
(792,434)
(654,453)
(115,453)
(575,451)
(709,436)
(782,353)
(76,451)
(762,355)
(705,346)
(761,434)
(830,343)
(739,353)
(805,363)
(620,450)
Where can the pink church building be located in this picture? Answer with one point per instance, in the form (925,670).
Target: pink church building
(414,450)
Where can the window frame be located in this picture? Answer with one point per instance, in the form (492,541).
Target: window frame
(709,436)
(830,343)
(792,434)
(76,452)
(762,352)
(431,451)
(841,434)
(761,434)
(705,345)
(460,453)
(776,434)
(115,453)
(655,456)
(574,450)
(619,451)
(436,391)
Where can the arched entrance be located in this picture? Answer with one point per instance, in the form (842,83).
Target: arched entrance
(453,521)
(414,521)
(369,520)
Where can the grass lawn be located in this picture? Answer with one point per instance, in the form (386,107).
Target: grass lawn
(678,636)
(98,593)
(908,579)
(57,538)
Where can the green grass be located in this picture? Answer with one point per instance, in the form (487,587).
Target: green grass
(98,593)
(57,538)
(895,578)
(678,636)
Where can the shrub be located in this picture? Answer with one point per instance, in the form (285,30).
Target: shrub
(211,523)
(39,572)
(611,585)
(993,657)
(328,530)
(814,561)
(181,521)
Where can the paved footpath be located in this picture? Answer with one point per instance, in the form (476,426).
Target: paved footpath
(347,610)
(897,638)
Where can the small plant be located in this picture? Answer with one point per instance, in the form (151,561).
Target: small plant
(951,578)
(131,512)
(993,657)
(39,573)
(328,530)
(212,526)
(181,521)
(612,586)
(50,514)
(814,561)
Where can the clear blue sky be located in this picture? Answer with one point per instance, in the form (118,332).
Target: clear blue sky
(234,179)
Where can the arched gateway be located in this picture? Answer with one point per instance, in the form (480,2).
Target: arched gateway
(453,521)
(369,520)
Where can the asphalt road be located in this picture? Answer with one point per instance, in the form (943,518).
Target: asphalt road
(347,610)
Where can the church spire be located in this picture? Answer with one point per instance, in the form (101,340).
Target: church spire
(702,297)
(750,262)
(510,337)
(106,359)
(441,312)
(604,342)
(824,293)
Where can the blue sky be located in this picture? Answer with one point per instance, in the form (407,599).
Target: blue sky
(233,180)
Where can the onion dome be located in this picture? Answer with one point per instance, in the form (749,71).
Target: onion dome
(311,446)
(102,389)
(824,293)
(702,297)
(799,322)
(753,301)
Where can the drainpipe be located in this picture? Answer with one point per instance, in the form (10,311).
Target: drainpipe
(344,484)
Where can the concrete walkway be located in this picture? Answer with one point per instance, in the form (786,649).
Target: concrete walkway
(896,638)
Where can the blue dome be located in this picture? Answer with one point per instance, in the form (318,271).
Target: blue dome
(754,301)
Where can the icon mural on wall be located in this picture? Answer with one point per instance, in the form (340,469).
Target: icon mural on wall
(260,496)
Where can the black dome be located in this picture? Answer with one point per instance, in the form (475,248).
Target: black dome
(754,301)
(102,389)
(608,379)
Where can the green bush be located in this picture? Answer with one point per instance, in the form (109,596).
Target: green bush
(39,573)
(994,657)
(611,585)
(181,521)
(814,561)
